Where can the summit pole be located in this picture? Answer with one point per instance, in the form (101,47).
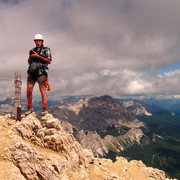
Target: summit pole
(17,84)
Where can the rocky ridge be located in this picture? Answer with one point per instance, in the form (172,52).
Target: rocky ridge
(136,108)
(40,149)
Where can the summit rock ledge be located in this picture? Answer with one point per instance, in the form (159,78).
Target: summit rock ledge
(40,149)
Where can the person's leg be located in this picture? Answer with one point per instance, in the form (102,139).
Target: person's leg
(30,86)
(42,88)
(48,87)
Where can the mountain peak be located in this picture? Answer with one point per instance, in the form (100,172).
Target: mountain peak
(89,118)
(103,111)
(104,101)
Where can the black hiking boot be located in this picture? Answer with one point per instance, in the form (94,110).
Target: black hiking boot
(29,111)
(44,111)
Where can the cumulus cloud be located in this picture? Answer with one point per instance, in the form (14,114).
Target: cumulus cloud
(98,46)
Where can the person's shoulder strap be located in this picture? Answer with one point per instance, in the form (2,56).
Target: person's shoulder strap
(48,52)
(34,48)
(45,47)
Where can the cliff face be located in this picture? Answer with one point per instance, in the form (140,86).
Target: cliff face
(96,113)
(40,149)
(87,116)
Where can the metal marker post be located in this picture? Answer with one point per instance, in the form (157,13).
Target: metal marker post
(17,99)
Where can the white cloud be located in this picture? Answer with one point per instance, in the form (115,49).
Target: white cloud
(107,72)
(138,87)
(98,46)
(172,73)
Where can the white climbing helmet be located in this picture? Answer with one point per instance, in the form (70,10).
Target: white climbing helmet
(38,37)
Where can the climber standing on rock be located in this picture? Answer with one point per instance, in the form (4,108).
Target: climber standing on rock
(39,58)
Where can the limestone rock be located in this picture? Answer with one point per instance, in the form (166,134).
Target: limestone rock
(50,134)
(103,111)
(32,149)
(9,171)
(92,140)
(85,117)
(32,164)
(136,108)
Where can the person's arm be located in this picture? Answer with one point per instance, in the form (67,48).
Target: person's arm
(36,55)
(29,60)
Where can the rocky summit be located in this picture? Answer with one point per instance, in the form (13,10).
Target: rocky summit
(40,149)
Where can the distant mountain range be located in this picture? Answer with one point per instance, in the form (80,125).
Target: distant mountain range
(150,105)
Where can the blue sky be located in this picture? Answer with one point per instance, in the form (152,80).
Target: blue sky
(170,68)
(115,47)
